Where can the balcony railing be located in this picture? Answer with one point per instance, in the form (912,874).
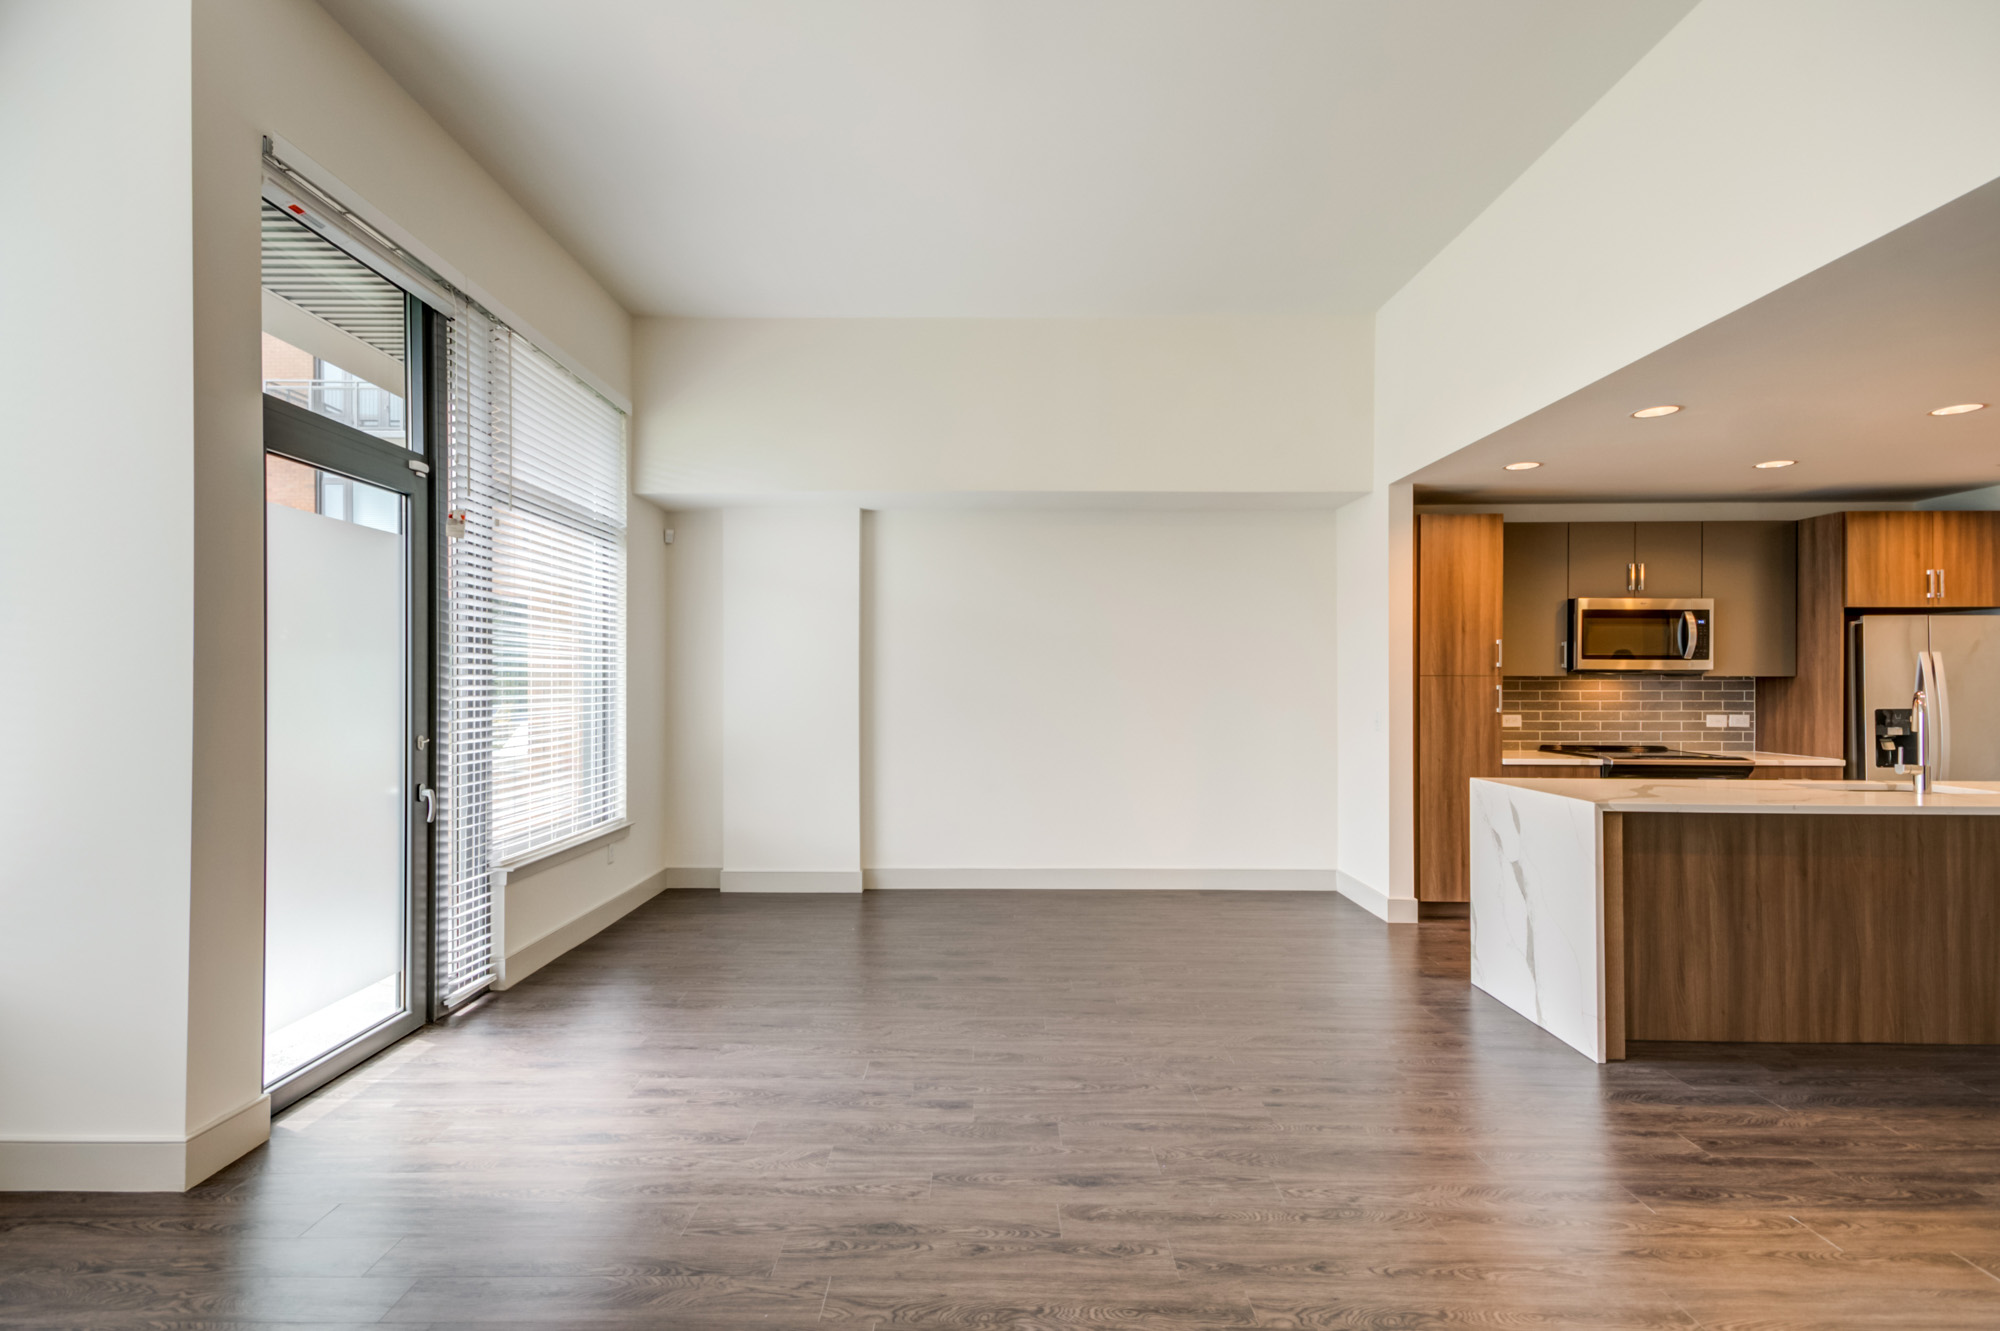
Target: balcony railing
(354,402)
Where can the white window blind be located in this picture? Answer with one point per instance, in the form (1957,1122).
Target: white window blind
(533,742)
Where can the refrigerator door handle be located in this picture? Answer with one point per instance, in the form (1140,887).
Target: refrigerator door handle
(1940,718)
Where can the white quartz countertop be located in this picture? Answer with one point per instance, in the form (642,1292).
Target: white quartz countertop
(1981,797)
(1536,758)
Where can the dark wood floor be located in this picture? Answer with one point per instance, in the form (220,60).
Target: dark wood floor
(1055,1110)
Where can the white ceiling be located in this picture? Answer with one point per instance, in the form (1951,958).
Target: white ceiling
(997,158)
(1837,371)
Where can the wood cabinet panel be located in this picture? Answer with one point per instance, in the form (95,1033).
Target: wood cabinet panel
(1553,772)
(1601,558)
(1535,596)
(1669,556)
(1802,714)
(1458,738)
(1750,570)
(1810,928)
(1968,559)
(1769,773)
(1459,619)
(1888,559)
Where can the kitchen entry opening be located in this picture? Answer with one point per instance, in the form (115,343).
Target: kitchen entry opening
(349,665)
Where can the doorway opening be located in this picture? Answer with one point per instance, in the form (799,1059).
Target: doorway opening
(349,659)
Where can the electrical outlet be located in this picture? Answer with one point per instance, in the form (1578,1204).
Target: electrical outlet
(1716,720)
(1510,721)
(1739,720)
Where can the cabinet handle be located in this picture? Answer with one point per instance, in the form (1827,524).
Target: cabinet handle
(1631,577)
(1642,577)
(1499,654)
(1930,584)
(1498,697)
(1941,595)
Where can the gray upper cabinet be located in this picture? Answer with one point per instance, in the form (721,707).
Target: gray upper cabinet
(1669,556)
(1535,596)
(1751,571)
(1635,558)
(1601,559)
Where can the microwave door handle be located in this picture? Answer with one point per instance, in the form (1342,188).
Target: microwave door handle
(1691,634)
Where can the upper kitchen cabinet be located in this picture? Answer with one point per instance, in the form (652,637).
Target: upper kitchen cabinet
(1656,559)
(1968,559)
(1458,593)
(1922,561)
(1669,556)
(1601,559)
(1536,597)
(1891,560)
(1750,571)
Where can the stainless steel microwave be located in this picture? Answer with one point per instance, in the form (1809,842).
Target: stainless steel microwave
(1665,634)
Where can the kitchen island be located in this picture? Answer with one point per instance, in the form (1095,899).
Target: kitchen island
(1805,911)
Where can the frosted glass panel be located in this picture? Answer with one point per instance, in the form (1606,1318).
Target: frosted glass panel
(335,836)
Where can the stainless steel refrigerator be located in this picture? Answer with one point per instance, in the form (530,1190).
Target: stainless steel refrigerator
(1961,652)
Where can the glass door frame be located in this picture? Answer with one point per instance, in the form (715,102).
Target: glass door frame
(293,432)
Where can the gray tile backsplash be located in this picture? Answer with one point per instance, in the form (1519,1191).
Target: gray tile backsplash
(1656,709)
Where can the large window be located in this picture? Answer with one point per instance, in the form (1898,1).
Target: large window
(534,746)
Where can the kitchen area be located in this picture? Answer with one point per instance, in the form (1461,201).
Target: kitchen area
(1717,780)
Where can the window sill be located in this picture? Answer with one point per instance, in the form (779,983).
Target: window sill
(547,857)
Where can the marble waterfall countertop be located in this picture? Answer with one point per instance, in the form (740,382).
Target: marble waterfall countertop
(1538,912)
(1540,758)
(1662,796)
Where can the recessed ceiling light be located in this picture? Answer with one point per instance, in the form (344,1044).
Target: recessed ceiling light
(1647,413)
(1522,466)
(1959,410)
(1777,462)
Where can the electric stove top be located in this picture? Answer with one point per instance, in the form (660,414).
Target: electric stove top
(1657,760)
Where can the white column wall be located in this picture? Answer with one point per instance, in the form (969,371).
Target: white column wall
(97,594)
(791,700)
(1377,758)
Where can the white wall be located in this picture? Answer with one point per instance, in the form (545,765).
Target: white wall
(692,827)
(750,408)
(1100,690)
(1755,143)
(791,700)
(1377,760)
(97,615)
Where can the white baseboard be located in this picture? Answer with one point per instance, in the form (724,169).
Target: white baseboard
(525,960)
(791,880)
(1098,880)
(1396,910)
(114,1165)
